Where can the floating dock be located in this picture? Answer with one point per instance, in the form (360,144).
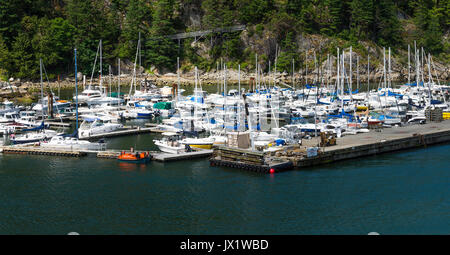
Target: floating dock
(30,150)
(57,124)
(130,131)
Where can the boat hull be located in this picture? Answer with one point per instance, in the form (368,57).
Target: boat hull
(201,146)
(136,161)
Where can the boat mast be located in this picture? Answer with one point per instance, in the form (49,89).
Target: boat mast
(256,71)
(118,81)
(429,78)
(101,67)
(368,75)
(417,64)
(306,67)
(337,72)
(357,72)
(343,79)
(409,65)
(110,81)
(42,89)
(76,93)
(239,80)
(421,68)
(292,76)
(389,68)
(178,78)
(351,74)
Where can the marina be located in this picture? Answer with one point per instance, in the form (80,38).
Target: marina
(224,118)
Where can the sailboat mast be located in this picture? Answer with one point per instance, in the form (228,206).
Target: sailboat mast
(390,85)
(239,80)
(337,72)
(101,66)
(42,88)
(118,81)
(178,78)
(357,72)
(368,75)
(351,74)
(76,93)
(409,65)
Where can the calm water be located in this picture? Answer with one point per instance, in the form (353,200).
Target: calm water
(402,193)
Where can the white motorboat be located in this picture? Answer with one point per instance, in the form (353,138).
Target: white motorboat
(170,143)
(96,125)
(33,137)
(72,144)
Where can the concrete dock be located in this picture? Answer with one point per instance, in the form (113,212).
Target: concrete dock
(373,143)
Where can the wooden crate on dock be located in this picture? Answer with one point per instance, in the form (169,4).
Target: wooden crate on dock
(433,114)
(239,155)
(238,140)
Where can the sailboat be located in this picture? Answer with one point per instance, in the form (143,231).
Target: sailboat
(41,133)
(69,142)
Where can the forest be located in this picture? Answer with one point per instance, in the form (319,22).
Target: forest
(51,29)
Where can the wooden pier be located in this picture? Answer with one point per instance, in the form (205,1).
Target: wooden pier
(31,150)
(130,131)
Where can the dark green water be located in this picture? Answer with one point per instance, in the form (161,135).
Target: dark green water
(401,193)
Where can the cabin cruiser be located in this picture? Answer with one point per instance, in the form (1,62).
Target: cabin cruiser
(97,125)
(39,136)
(88,95)
(72,143)
(170,143)
(28,118)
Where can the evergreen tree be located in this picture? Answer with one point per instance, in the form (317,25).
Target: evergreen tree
(137,20)
(387,25)
(361,18)
(5,58)
(162,51)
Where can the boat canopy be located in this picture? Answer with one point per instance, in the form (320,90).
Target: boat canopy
(163,105)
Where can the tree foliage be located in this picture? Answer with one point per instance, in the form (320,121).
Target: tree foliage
(34,29)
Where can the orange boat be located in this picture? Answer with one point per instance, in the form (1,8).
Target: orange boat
(137,157)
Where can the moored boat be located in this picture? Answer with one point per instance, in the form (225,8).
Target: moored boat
(137,157)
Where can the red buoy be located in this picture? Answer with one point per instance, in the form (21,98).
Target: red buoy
(272,171)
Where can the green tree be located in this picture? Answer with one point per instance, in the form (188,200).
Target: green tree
(361,18)
(387,26)
(162,51)
(5,59)
(288,53)
(137,20)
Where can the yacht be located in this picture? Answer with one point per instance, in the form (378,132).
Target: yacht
(170,143)
(73,144)
(96,125)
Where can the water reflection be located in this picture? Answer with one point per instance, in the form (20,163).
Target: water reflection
(132,167)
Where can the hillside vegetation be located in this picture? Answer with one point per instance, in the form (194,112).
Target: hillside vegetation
(34,29)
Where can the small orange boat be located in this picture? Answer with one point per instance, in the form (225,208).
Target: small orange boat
(134,157)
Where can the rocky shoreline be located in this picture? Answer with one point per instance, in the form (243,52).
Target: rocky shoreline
(212,78)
